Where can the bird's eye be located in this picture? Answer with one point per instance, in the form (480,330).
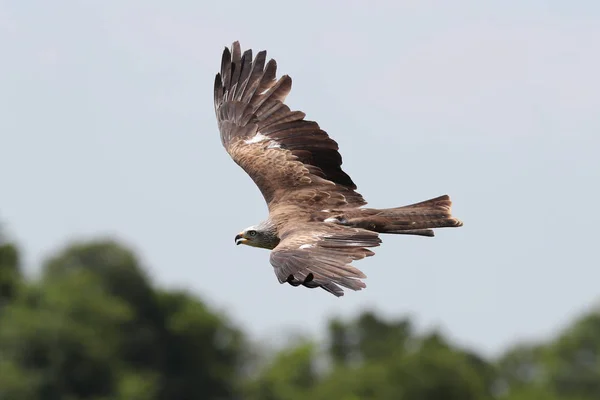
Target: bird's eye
(252,233)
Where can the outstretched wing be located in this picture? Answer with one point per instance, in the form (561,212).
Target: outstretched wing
(288,157)
(319,255)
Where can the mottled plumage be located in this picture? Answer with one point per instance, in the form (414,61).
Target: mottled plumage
(317,224)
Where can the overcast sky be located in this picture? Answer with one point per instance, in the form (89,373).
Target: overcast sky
(107,127)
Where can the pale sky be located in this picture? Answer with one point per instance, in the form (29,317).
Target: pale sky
(107,127)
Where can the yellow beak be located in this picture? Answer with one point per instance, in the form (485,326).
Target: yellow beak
(240,239)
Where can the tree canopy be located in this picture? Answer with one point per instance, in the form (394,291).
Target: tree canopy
(94,326)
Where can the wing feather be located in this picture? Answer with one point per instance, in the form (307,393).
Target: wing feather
(317,255)
(283,115)
(255,76)
(244,74)
(281,151)
(226,68)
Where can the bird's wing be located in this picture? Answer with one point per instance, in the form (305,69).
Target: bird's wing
(319,255)
(288,157)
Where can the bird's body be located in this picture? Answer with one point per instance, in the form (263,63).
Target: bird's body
(317,224)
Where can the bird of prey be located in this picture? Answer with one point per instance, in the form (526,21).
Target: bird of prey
(317,223)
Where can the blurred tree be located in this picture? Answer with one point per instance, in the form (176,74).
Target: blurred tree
(573,360)
(291,375)
(534,392)
(369,381)
(95,328)
(436,370)
(119,273)
(567,368)
(204,352)
(367,338)
(10,272)
(412,368)
(60,340)
(521,367)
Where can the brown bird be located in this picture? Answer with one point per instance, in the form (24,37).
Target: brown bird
(317,224)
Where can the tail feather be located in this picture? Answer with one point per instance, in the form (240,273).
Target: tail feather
(416,232)
(414,219)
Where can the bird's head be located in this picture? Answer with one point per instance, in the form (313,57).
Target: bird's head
(258,236)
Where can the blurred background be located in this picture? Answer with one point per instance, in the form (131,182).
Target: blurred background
(119,277)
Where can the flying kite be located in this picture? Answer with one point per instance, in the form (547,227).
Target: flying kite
(317,225)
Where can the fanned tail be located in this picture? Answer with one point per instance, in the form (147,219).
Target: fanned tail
(414,219)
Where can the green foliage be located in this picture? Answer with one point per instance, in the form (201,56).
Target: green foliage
(353,342)
(397,364)
(64,337)
(573,362)
(203,352)
(289,376)
(10,271)
(95,327)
